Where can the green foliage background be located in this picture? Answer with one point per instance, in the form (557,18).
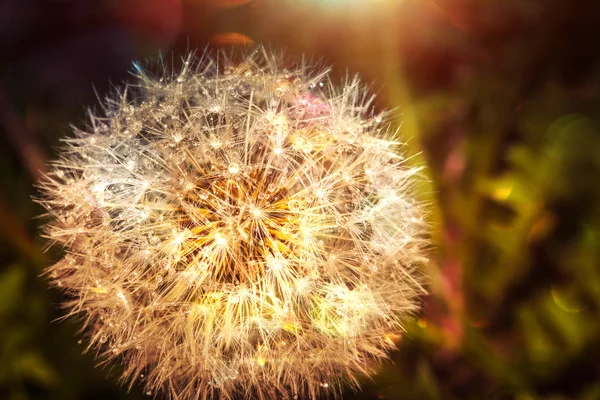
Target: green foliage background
(501,100)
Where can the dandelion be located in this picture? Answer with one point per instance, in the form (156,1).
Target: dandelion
(238,229)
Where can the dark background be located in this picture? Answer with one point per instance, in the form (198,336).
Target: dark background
(501,100)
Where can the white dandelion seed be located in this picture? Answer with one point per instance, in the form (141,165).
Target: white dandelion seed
(238,229)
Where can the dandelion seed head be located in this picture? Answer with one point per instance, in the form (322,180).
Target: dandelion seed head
(238,228)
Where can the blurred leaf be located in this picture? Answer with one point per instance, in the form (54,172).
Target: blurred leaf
(31,366)
(12,281)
